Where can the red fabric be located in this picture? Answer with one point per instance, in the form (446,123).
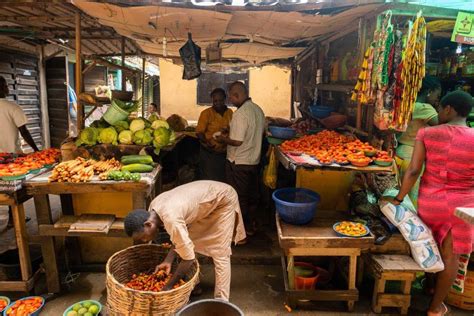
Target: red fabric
(447,183)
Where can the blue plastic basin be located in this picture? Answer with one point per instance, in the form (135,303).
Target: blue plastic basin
(296,206)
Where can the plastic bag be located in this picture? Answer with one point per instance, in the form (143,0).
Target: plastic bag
(271,170)
(191,56)
(424,249)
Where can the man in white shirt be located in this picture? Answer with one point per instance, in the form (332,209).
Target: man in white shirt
(244,146)
(12,121)
(200,216)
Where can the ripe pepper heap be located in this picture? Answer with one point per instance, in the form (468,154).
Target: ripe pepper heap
(151,282)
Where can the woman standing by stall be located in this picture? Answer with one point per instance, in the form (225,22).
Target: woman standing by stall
(212,155)
(447,183)
(424,114)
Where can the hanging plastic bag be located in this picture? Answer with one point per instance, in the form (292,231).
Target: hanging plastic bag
(191,56)
(271,170)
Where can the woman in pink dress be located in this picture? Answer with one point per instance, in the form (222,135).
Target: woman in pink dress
(447,182)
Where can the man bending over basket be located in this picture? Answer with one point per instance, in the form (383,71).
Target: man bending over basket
(202,217)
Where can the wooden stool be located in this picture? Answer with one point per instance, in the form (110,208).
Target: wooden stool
(392,268)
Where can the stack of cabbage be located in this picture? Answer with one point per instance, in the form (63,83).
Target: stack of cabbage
(139,131)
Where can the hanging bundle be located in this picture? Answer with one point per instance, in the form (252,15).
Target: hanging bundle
(361,89)
(412,73)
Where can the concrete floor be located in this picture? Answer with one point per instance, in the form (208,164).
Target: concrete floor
(257,280)
(256,289)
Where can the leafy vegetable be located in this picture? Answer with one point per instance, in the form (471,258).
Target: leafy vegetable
(137,125)
(159,123)
(129,106)
(99,124)
(153,117)
(88,136)
(108,136)
(121,126)
(125,137)
(161,137)
(142,137)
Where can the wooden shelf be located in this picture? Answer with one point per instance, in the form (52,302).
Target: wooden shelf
(61,228)
(335,87)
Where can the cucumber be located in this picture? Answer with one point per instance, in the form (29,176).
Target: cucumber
(137,159)
(137,167)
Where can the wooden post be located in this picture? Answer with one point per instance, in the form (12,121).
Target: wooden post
(43,98)
(359,116)
(80,107)
(143,86)
(124,82)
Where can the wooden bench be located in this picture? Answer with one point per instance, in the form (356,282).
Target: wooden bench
(392,268)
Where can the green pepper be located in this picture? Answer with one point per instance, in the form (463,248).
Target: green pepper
(126,175)
(135,177)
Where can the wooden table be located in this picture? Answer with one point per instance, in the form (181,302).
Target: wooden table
(15,200)
(319,239)
(39,187)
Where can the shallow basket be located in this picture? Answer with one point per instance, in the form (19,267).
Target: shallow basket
(122,300)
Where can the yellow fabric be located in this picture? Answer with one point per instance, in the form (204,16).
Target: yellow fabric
(211,122)
(422,114)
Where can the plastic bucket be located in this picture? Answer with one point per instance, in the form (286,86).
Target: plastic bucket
(210,307)
(306,282)
(114,114)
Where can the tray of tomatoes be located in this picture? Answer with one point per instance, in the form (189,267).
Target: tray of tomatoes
(330,147)
(27,306)
(4,302)
(20,166)
(350,229)
(382,158)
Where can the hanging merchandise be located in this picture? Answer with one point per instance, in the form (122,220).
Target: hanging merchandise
(392,72)
(191,56)
(361,90)
(412,73)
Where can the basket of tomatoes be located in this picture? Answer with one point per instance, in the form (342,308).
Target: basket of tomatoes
(27,306)
(133,288)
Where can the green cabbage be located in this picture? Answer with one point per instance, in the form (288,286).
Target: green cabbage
(121,126)
(142,137)
(88,136)
(125,137)
(160,123)
(99,124)
(108,136)
(137,125)
(161,137)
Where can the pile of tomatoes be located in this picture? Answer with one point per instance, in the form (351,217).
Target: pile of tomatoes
(3,304)
(151,282)
(331,147)
(23,164)
(25,306)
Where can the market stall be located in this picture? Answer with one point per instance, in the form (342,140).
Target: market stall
(98,210)
(14,171)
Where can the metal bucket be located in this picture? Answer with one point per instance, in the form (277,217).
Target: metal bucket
(210,307)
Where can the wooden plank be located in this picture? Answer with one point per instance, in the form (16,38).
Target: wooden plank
(87,187)
(92,223)
(17,286)
(332,252)
(395,245)
(318,234)
(50,265)
(393,300)
(325,295)
(18,213)
(116,230)
(396,263)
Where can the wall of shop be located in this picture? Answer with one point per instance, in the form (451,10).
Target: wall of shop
(269,87)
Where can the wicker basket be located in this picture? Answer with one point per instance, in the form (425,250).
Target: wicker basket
(123,301)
